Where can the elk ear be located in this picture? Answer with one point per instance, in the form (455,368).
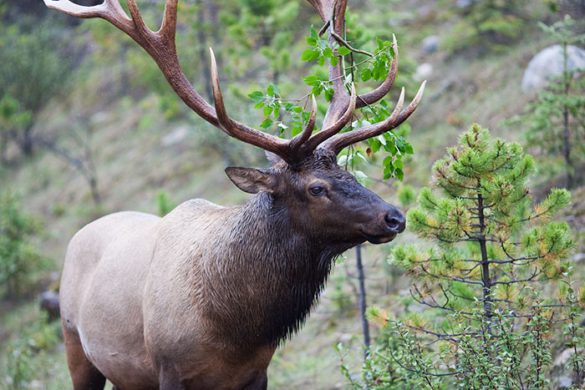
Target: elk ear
(250,180)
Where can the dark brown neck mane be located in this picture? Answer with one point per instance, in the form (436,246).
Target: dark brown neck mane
(271,276)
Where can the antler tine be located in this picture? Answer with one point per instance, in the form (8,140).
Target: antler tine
(160,45)
(73,9)
(332,12)
(399,104)
(109,10)
(340,141)
(301,138)
(139,24)
(383,89)
(168,27)
(237,130)
(225,123)
(334,128)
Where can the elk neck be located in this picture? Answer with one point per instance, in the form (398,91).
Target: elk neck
(269,275)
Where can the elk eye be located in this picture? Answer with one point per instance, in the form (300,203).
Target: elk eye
(317,190)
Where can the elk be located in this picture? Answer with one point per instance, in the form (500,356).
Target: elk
(201,298)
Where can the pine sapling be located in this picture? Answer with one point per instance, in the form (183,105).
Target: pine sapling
(493,269)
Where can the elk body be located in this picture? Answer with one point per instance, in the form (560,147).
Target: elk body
(200,299)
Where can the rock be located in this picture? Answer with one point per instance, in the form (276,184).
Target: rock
(176,136)
(36,384)
(565,382)
(49,302)
(464,3)
(345,338)
(562,369)
(99,118)
(578,257)
(548,64)
(430,44)
(562,359)
(423,72)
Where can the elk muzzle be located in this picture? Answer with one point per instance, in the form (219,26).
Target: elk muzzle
(387,225)
(395,221)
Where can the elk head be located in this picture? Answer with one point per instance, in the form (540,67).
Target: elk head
(305,179)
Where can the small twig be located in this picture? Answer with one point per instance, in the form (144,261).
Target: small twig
(324,28)
(343,42)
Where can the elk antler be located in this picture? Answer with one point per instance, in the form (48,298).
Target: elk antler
(160,45)
(340,141)
(332,12)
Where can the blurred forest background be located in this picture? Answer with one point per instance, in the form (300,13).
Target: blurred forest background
(88,126)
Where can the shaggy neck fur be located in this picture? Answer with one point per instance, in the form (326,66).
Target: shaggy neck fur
(269,275)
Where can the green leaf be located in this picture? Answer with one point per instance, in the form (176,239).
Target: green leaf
(272,90)
(399,174)
(268,110)
(375,144)
(256,96)
(312,80)
(266,123)
(366,74)
(310,55)
(329,94)
(343,51)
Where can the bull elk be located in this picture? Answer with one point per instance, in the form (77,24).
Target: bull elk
(200,298)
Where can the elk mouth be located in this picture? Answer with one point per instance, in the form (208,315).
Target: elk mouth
(379,238)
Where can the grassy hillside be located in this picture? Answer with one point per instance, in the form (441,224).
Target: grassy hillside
(139,154)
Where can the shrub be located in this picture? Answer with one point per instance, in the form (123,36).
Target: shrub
(19,260)
(494,284)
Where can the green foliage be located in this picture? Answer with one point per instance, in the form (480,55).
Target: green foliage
(22,355)
(365,66)
(164,204)
(12,118)
(261,27)
(373,66)
(406,195)
(48,73)
(320,51)
(12,115)
(19,261)
(343,301)
(488,24)
(494,279)
(573,332)
(274,108)
(555,120)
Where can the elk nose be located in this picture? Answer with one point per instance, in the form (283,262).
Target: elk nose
(395,221)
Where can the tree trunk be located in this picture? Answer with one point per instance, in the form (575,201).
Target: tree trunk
(362,299)
(485,265)
(203,42)
(566,128)
(95,195)
(26,142)
(3,148)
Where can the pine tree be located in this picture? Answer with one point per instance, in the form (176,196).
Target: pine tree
(556,119)
(492,277)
